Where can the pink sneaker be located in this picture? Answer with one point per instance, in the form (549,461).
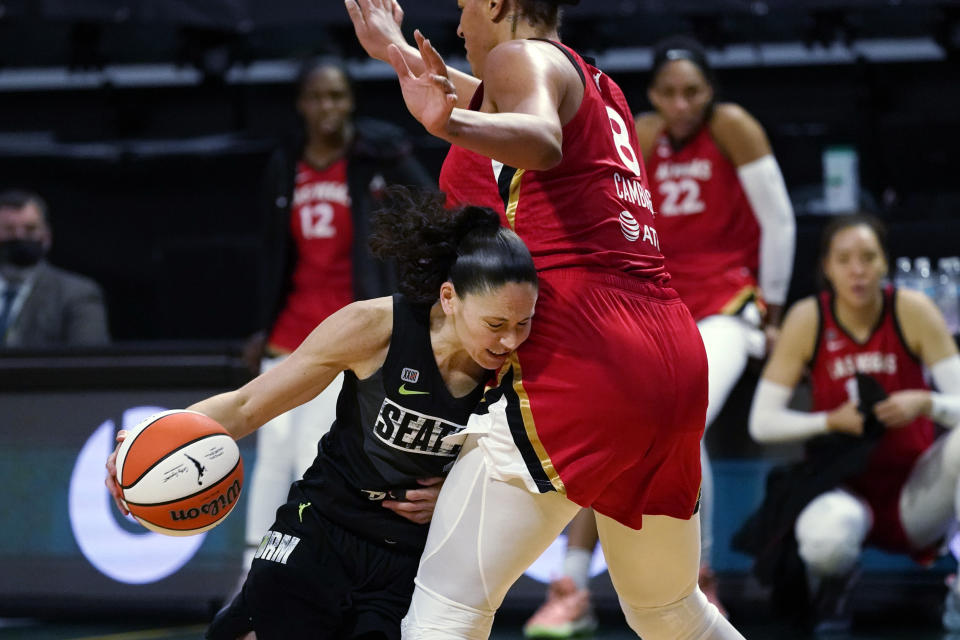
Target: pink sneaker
(566,613)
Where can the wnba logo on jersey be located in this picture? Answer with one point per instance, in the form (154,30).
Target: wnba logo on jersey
(408,430)
(409,375)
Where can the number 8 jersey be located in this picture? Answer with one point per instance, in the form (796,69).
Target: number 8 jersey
(594,405)
(594,209)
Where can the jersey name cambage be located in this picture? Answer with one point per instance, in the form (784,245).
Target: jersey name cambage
(708,231)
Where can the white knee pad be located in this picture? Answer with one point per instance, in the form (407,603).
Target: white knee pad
(691,618)
(433,617)
(830,532)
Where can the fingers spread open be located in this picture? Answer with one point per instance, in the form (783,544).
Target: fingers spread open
(431,57)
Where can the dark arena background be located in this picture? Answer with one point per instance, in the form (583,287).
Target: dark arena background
(146,124)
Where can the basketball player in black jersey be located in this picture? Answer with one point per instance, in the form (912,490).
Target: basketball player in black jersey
(336,563)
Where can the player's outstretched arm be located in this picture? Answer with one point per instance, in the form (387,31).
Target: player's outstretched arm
(377,25)
(354,338)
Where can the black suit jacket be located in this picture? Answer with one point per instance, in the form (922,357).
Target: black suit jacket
(62,309)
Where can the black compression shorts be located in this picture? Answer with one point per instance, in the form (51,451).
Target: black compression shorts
(312,579)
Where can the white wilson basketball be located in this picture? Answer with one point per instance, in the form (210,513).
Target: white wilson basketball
(180,472)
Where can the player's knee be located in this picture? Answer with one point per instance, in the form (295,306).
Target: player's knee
(830,533)
(688,618)
(433,617)
(829,556)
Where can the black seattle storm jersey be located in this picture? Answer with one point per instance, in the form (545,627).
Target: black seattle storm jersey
(388,433)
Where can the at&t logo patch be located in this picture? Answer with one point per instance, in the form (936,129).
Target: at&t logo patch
(629,226)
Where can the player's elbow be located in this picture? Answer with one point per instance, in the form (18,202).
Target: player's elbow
(549,155)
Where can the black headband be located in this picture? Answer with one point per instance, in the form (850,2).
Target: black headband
(680,51)
(682,54)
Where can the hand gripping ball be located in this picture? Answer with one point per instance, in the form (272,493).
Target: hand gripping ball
(180,472)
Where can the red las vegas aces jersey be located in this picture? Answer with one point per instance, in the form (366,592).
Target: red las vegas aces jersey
(321,226)
(708,231)
(594,209)
(884,357)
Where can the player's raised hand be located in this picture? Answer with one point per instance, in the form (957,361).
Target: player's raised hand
(377,25)
(431,96)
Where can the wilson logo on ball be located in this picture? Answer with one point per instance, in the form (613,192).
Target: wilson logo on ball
(223,502)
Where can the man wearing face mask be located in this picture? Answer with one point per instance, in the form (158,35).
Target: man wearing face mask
(41,305)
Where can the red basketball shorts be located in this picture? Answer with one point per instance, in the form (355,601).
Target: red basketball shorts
(606,400)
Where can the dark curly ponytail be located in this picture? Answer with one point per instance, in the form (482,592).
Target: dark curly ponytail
(432,244)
